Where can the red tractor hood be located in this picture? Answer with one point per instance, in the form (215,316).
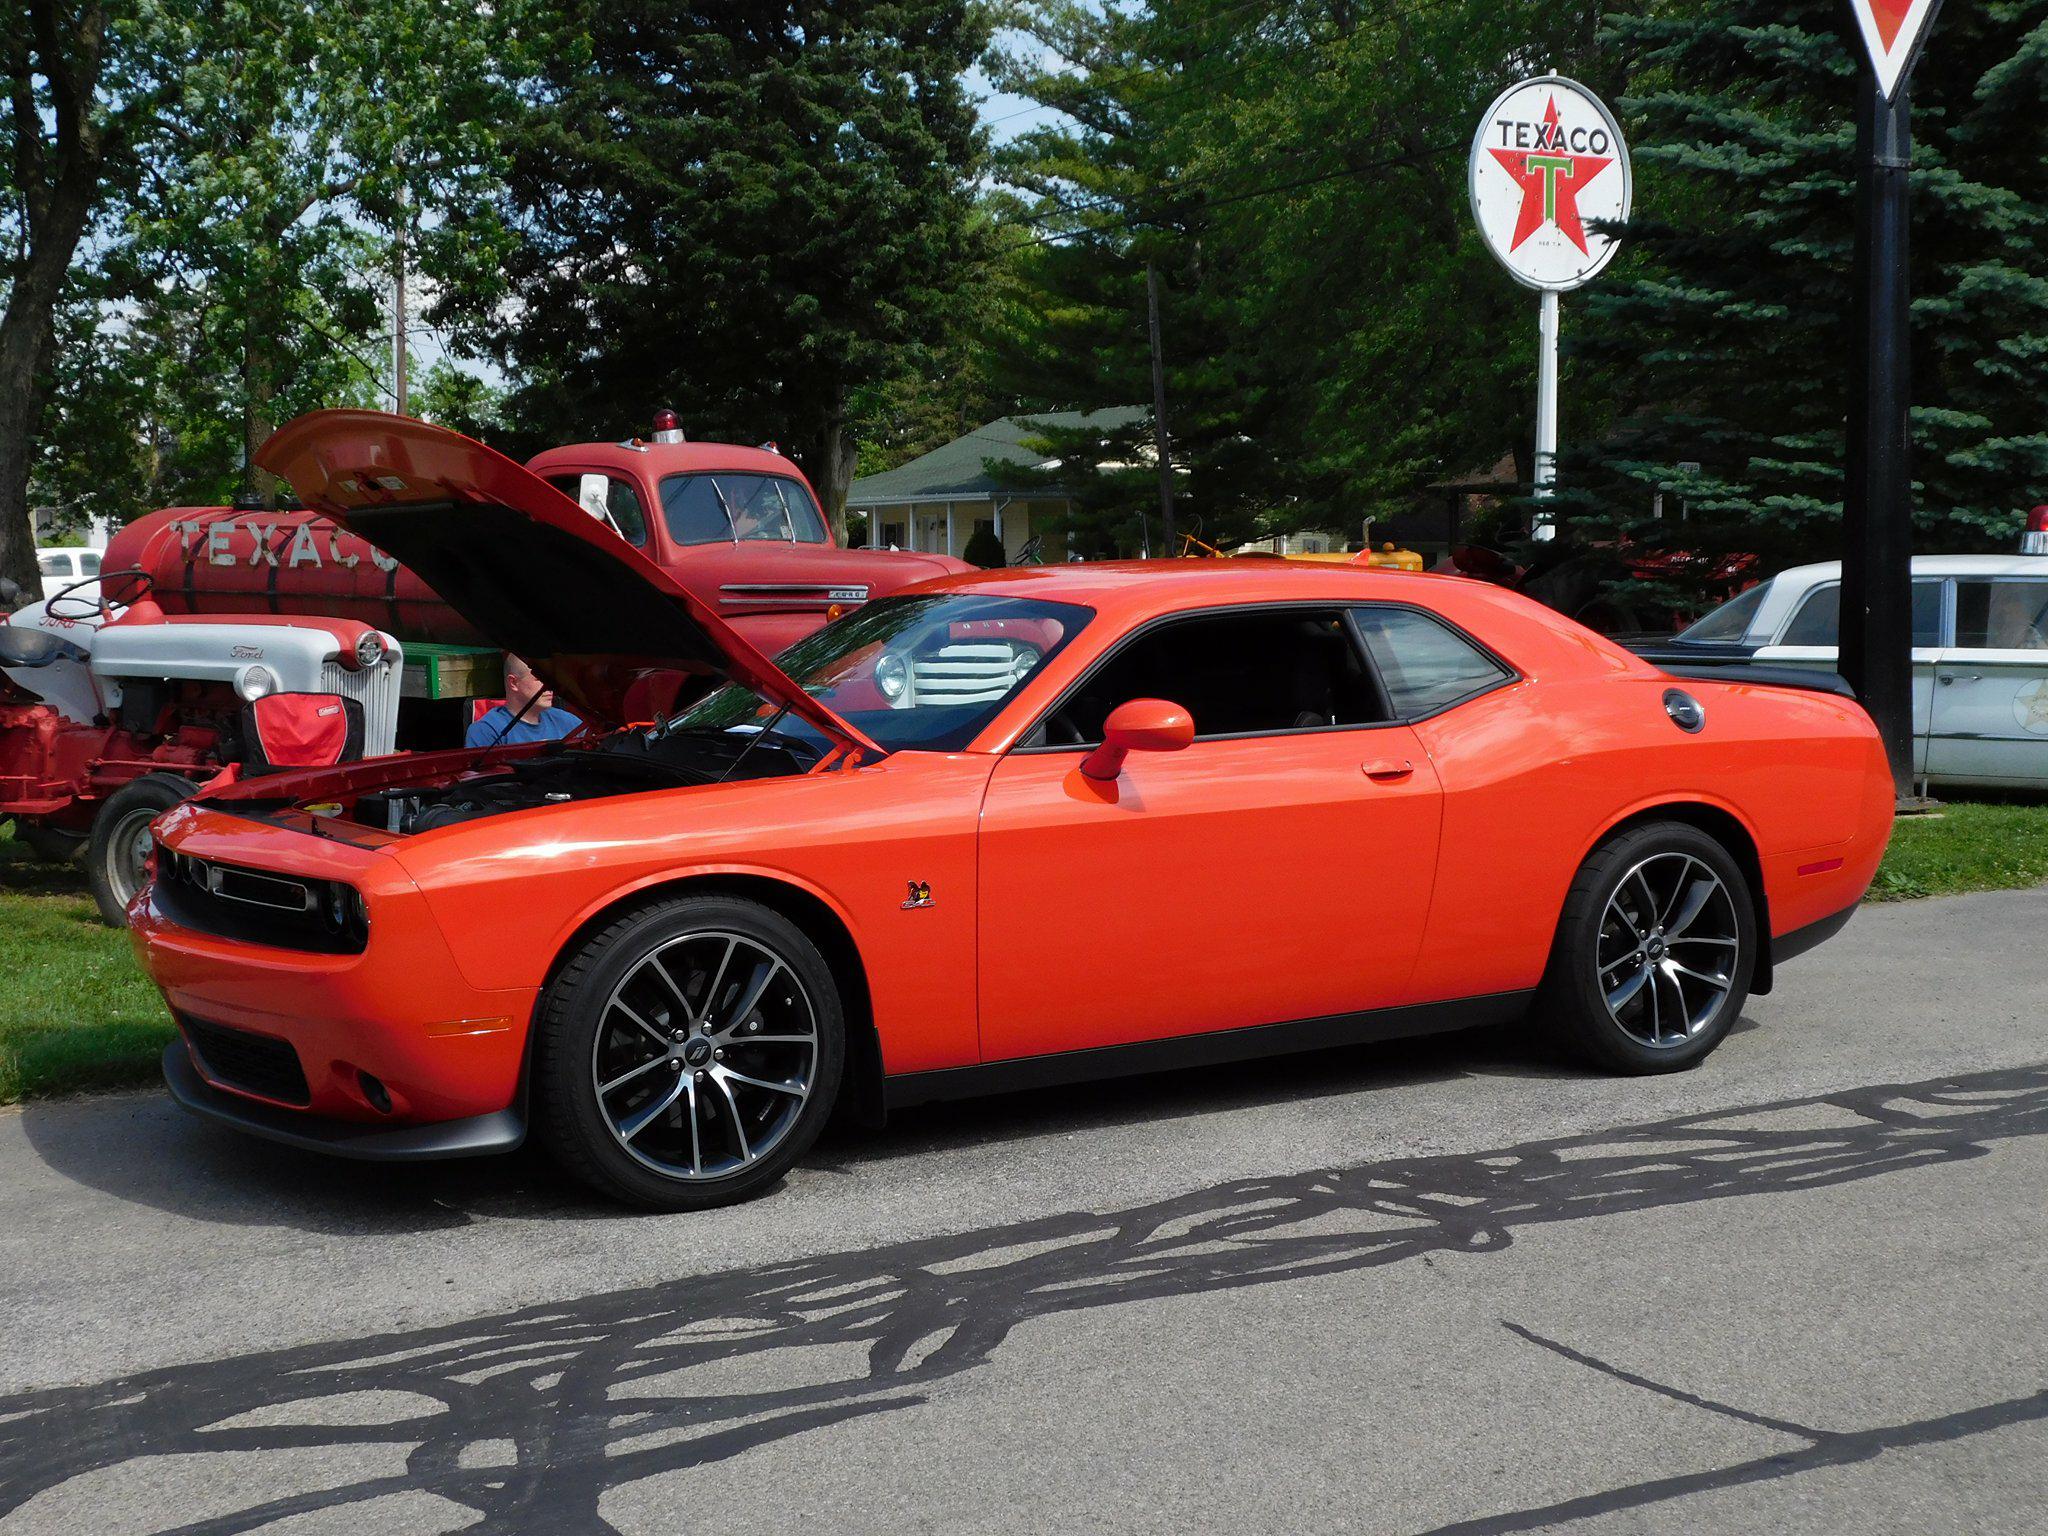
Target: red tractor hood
(533,571)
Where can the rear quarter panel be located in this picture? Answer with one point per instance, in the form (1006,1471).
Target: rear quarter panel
(1535,775)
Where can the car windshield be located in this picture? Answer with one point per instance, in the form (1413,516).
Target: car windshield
(922,673)
(717,508)
(1729,622)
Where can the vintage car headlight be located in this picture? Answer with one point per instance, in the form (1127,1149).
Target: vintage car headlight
(369,648)
(253,683)
(892,676)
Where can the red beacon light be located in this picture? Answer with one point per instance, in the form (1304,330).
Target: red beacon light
(2035,540)
(666,428)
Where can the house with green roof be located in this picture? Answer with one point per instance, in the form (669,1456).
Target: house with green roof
(937,500)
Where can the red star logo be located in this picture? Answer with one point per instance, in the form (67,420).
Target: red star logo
(1551,180)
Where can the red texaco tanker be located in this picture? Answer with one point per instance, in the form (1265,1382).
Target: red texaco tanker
(119,698)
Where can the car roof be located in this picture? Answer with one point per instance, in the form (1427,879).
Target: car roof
(658,459)
(1926,565)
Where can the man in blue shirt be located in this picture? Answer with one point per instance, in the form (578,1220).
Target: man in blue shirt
(527,700)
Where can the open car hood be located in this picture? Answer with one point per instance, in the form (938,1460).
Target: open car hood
(529,568)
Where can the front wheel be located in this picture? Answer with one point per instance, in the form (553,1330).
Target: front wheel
(117,855)
(688,1053)
(1654,951)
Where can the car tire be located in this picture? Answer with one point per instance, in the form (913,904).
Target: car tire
(120,840)
(688,1053)
(1654,951)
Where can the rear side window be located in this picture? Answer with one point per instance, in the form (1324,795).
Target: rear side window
(1729,622)
(54,565)
(1819,619)
(1426,665)
(2002,615)
(1237,674)
(88,565)
(715,508)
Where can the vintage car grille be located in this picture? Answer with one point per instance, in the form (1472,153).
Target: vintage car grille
(259,906)
(376,689)
(969,671)
(259,1064)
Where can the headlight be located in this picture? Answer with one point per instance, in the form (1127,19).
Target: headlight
(369,649)
(252,683)
(892,676)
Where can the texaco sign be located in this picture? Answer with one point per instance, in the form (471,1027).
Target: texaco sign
(1548,163)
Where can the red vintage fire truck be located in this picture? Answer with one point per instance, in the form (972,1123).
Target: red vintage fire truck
(119,698)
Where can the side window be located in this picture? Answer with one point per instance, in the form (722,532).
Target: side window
(54,565)
(1819,619)
(88,565)
(2002,615)
(1425,665)
(1236,673)
(609,499)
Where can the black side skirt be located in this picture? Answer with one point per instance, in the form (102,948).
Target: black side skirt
(1203,1050)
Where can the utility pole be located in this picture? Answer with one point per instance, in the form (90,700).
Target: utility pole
(398,348)
(1160,443)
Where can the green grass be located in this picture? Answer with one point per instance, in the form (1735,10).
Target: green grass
(76,1011)
(1970,846)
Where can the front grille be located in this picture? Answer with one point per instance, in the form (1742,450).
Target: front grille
(376,689)
(258,1064)
(259,906)
(970,672)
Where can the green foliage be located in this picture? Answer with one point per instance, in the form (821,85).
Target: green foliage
(759,214)
(1987,846)
(75,1010)
(1334,334)
(1727,331)
(462,401)
(984,549)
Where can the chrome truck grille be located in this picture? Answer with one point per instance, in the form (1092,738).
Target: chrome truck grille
(376,689)
(969,672)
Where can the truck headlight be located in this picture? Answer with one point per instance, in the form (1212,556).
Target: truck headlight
(369,649)
(253,683)
(892,675)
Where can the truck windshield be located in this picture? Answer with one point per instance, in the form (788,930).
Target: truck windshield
(923,673)
(732,508)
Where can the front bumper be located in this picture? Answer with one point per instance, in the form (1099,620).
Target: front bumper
(391,1041)
(478,1136)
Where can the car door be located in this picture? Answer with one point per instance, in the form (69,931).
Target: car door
(1990,723)
(1278,868)
(1812,637)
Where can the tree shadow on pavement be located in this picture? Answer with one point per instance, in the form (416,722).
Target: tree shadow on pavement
(528,1417)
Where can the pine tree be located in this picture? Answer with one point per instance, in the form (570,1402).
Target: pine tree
(1724,333)
(755,212)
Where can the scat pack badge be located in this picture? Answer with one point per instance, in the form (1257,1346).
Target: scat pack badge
(920,895)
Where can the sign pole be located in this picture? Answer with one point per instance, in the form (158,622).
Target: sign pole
(1546,410)
(1877,579)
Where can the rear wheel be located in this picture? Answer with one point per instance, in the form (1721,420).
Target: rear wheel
(1654,952)
(688,1054)
(117,855)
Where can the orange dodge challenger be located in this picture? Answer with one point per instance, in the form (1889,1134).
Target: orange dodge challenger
(1001,829)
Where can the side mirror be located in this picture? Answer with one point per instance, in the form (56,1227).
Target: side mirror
(1138,725)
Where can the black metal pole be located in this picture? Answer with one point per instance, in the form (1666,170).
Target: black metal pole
(1877,580)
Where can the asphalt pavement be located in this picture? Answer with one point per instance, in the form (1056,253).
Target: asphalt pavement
(1451,1285)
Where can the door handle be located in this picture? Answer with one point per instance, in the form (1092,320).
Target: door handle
(1949,678)
(1388,771)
